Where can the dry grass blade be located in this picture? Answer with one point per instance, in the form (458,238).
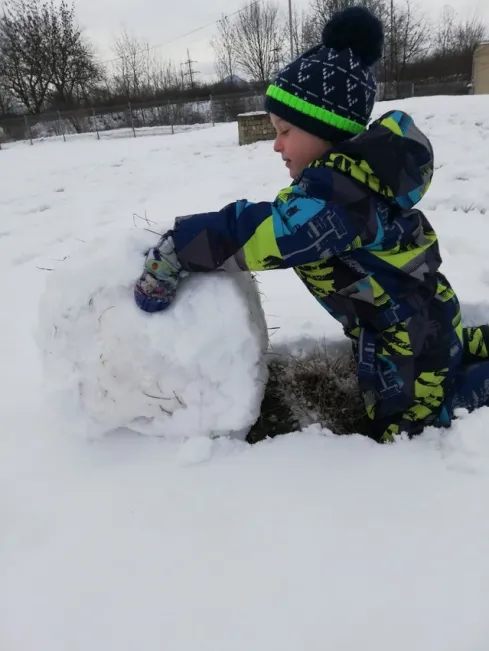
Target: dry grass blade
(318,387)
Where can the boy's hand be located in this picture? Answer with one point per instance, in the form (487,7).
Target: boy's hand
(156,287)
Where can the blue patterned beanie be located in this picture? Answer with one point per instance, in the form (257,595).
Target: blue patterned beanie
(329,90)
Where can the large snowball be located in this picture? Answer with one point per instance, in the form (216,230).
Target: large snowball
(197,369)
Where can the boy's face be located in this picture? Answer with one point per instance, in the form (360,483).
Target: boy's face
(297,147)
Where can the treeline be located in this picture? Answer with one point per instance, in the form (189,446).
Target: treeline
(256,43)
(48,63)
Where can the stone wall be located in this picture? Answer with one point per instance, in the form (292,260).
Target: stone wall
(255,126)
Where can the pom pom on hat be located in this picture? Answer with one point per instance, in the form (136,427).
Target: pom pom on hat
(358,29)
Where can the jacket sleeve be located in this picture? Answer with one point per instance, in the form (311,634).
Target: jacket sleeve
(294,229)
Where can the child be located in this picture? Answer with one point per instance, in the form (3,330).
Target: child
(348,227)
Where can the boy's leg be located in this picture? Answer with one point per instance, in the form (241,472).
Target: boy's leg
(383,430)
(425,400)
(476,344)
(430,395)
(436,393)
(470,389)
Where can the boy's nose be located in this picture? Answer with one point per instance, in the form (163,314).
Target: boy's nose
(277,146)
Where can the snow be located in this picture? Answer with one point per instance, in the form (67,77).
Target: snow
(251,114)
(166,118)
(305,541)
(198,369)
(49,133)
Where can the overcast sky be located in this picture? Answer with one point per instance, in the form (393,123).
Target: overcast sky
(159,21)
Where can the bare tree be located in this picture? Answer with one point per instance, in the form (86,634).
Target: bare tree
(224,46)
(162,75)
(320,11)
(43,54)
(130,68)
(138,72)
(444,35)
(455,36)
(311,30)
(407,38)
(303,31)
(468,34)
(6,101)
(25,68)
(73,65)
(450,56)
(259,41)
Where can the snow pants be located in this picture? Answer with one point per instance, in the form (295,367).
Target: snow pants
(470,389)
(467,389)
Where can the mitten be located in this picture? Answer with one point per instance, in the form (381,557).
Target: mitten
(156,287)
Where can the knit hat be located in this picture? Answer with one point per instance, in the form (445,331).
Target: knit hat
(329,90)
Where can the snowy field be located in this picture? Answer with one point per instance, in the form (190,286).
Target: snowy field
(307,541)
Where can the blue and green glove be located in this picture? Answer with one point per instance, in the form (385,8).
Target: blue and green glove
(156,287)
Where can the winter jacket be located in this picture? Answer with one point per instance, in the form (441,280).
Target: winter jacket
(348,227)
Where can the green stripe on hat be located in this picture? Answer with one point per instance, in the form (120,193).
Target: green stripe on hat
(313,111)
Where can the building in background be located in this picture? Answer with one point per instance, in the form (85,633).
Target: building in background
(480,69)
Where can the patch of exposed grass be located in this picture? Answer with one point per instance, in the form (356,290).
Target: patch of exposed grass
(318,387)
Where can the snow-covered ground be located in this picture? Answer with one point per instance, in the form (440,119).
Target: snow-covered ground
(308,541)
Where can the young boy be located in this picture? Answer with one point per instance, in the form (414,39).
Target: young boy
(348,226)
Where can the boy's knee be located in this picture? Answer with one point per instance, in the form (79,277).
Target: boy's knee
(471,388)
(476,343)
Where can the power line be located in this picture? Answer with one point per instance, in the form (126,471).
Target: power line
(193,31)
(191,72)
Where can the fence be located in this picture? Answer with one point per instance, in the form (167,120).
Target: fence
(170,116)
(405,89)
(175,116)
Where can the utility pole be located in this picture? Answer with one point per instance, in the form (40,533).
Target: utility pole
(191,72)
(392,40)
(291,32)
(393,52)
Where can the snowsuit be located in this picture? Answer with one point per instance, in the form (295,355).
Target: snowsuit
(348,227)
